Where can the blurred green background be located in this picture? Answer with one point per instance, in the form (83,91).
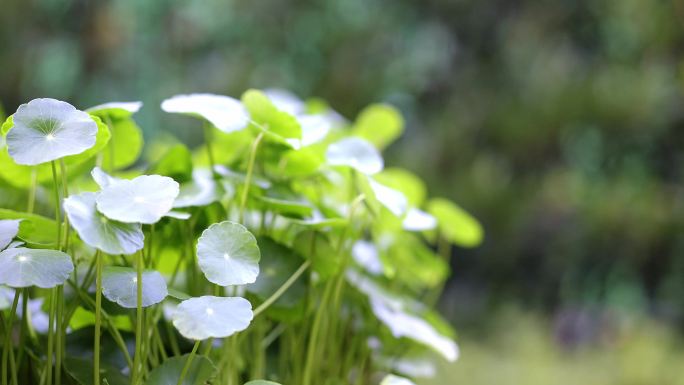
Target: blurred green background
(559,124)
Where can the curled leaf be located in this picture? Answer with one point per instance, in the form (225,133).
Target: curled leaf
(223,112)
(98,231)
(355,153)
(145,199)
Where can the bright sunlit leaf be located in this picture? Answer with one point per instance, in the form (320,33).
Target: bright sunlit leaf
(223,112)
(97,230)
(9,228)
(228,254)
(49,129)
(355,153)
(212,317)
(22,267)
(145,199)
(120,285)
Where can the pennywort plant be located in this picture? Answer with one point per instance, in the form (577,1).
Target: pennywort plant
(281,251)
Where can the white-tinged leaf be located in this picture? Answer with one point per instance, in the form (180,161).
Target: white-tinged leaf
(182,215)
(200,191)
(49,129)
(6,297)
(120,285)
(212,317)
(9,228)
(391,379)
(403,324)
(122,108)
(145,199)
(108,235)
(228,254)
(355,153)
(22,267)
(225,113)
(285,101)
(394,200)
(102,178)
(419,220)
(314,129)
(366,255)
(392,311)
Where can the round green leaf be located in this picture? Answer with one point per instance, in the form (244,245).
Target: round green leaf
(9,228)
(277,124)
(34,229)
(380,124)
(228,254)
(49,129)
(201,370)
(120,285)
(98,231)
(408,183)
(145,199)
(456,224)
(355,153)
(22,267)
(176,163)
(223,112)
(212,317)
(125,146)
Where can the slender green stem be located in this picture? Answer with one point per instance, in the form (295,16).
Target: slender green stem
(98,317)
(248,178)
(65,193)
(282,289)
(110,324)
(59,341)
(51,336)
(7,346)
(58,211)
(32,191)
(210,153)
(24,324)
(188,362)
(137,359)
(313,339)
